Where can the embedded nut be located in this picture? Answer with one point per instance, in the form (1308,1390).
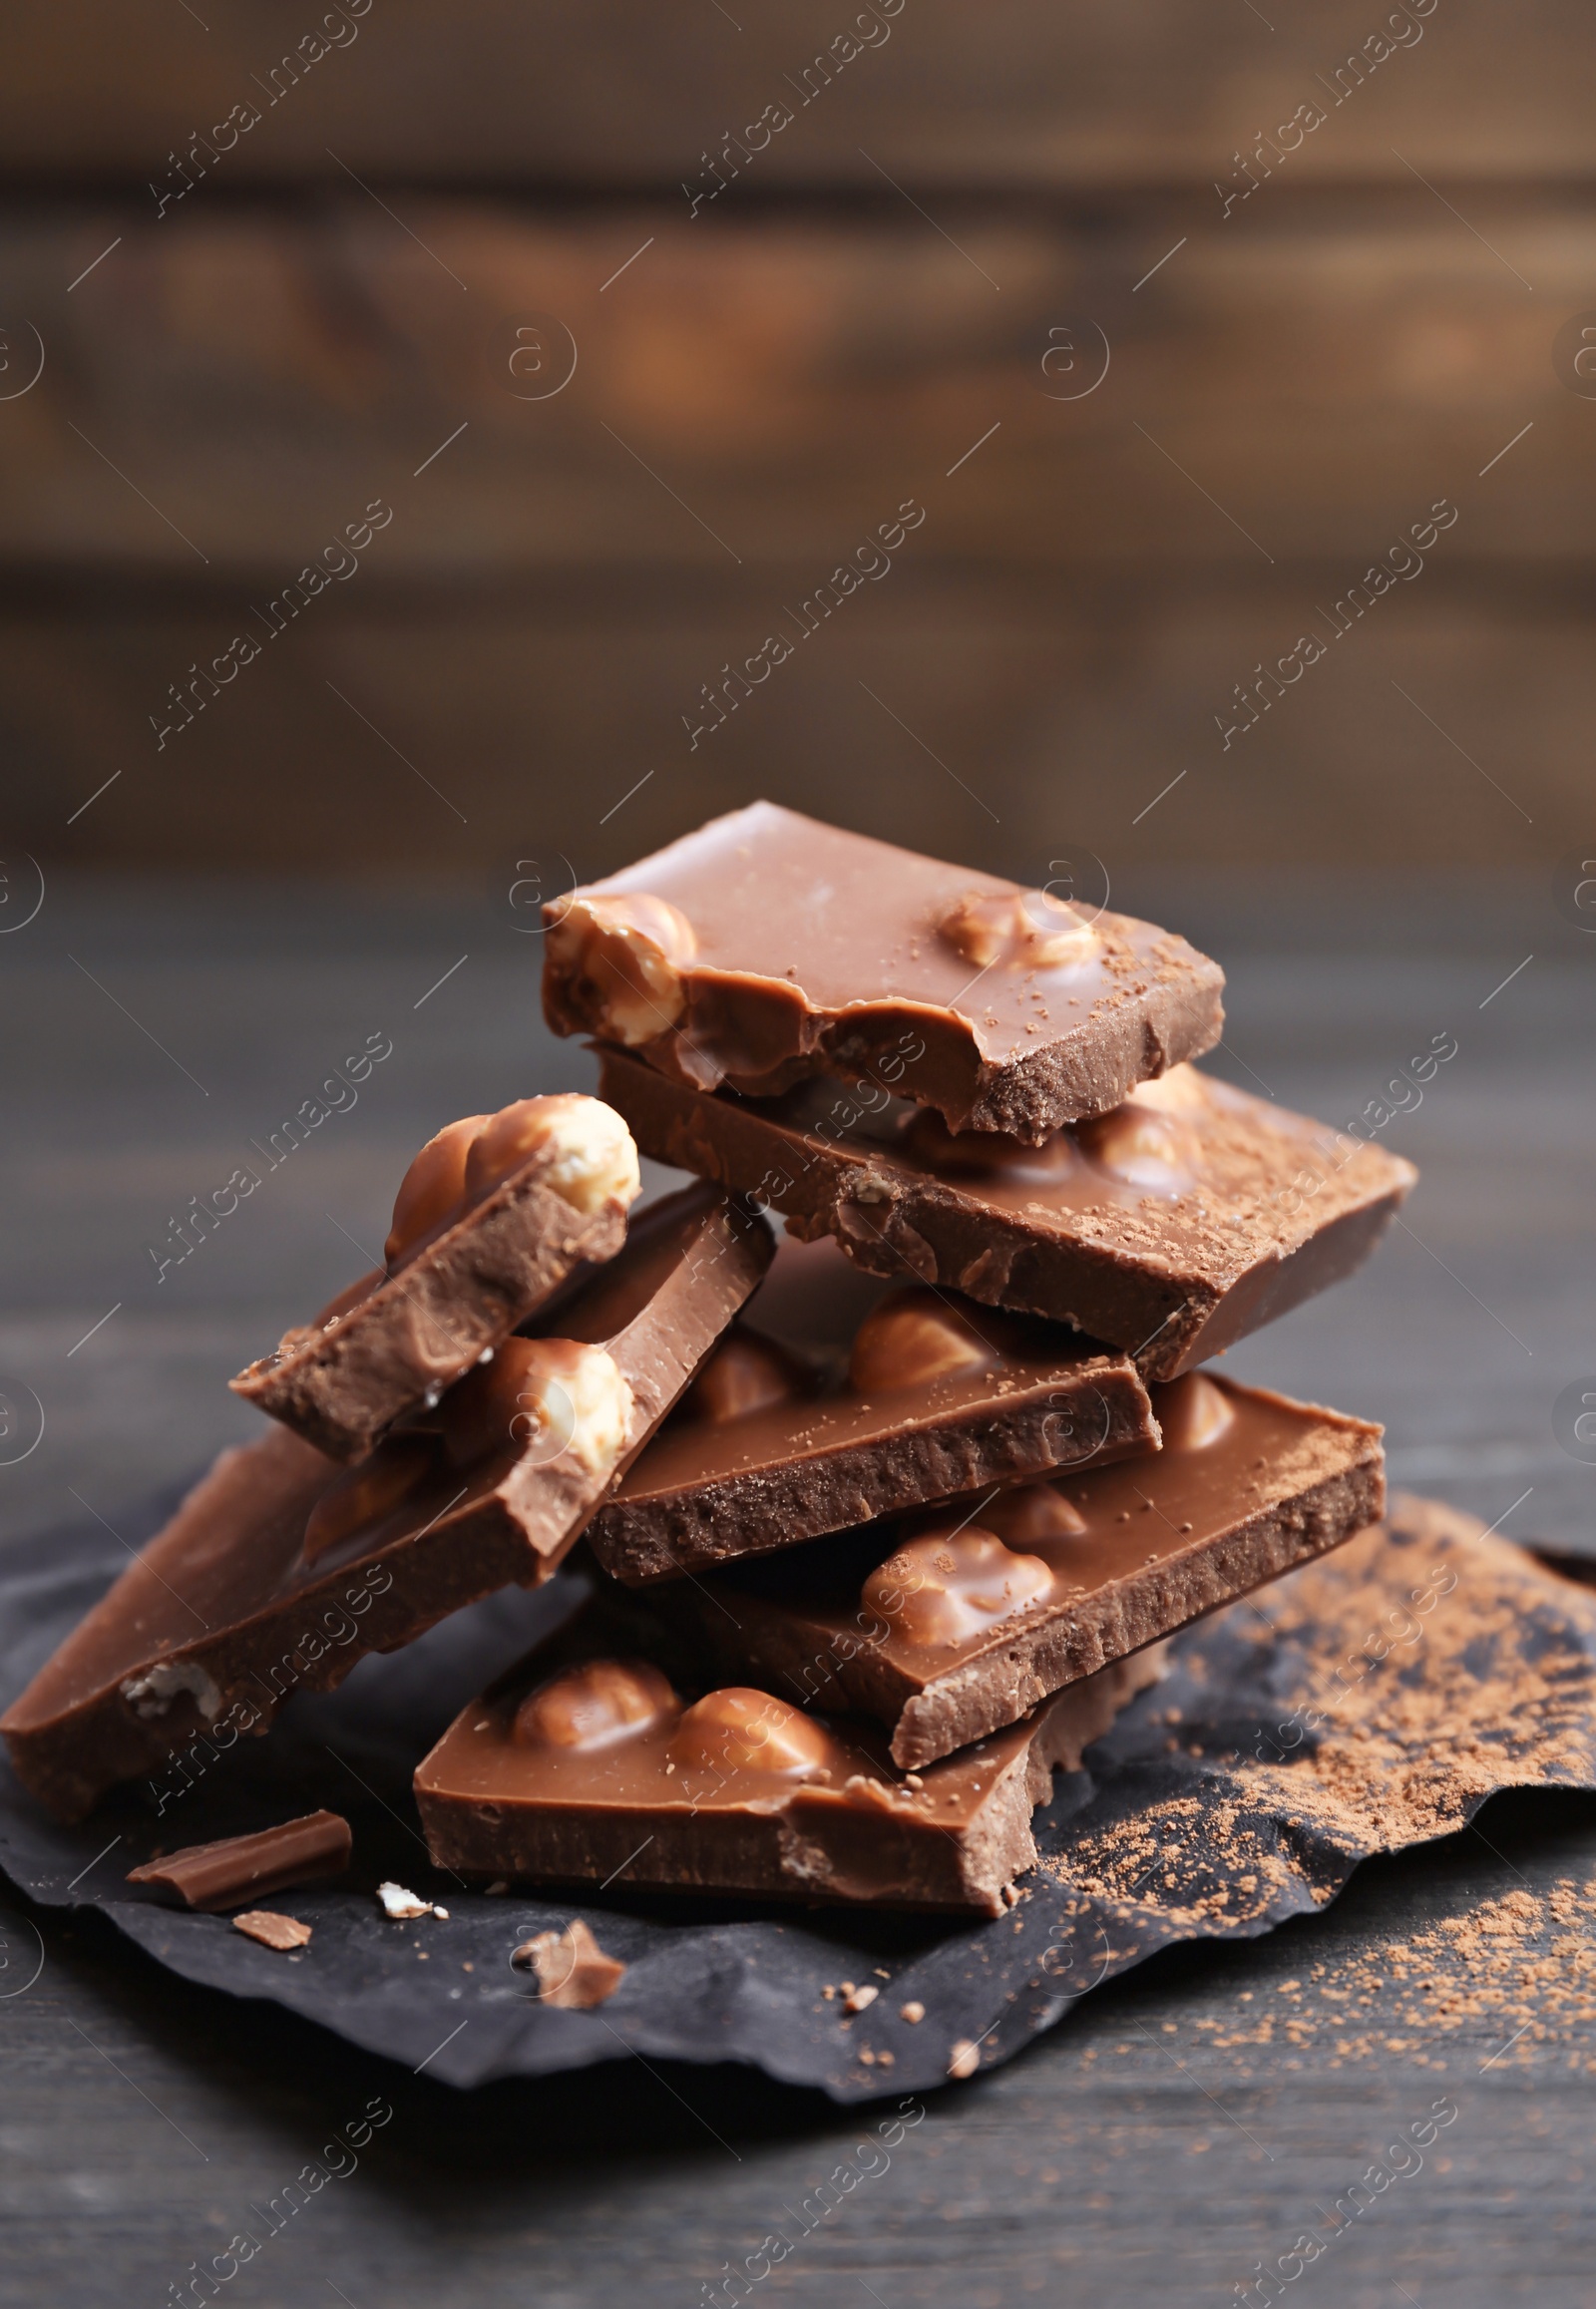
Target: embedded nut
(1143,1146)
(595,1705)
(947,1585)
(585,1152)
(1030,1512)
(617,958)
(1192,1412)
(367,1492)
(541,1399)
(916,1334)
(1029,930)
(986,1154)
(746,1373)
(747,1730)
(432,1188)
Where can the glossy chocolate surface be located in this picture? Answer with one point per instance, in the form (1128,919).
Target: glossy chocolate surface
(577,1770)
(930,1395)
(767,948)
(225,1874)
(492,1218)
(946,1626)
(264,1583)
(1192,1215)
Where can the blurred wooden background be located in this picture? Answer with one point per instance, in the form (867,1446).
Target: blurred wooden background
(759,383)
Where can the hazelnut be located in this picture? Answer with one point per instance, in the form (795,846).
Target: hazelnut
(584,1151)
(1029,930)
(946,1584)
(1142,1146)
(740,1730)
(432,1189)
(540,1398)
(746,1373)
(1033,1511)
(616,958)
(916,1333)
(1192,1412)
(595,1705)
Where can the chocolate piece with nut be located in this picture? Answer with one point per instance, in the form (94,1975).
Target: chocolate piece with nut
(767,948)
(492,1218)
(595,1769)
(945,1628)
(937,1397)
(281,1569)
(1190,1216)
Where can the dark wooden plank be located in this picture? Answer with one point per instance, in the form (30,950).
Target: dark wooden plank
(1008,716)
(1018,92)
(1302,387)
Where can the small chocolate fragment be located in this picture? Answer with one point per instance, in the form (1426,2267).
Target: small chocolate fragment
(767,948)
(1189,1217)
(948,1627)
(281,1569)
(573,1970)
(220,1875)
(738,1791)
(940,1397)
(273,1930)
(491,1216)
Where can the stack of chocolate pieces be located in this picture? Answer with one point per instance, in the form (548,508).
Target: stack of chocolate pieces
(880,1528)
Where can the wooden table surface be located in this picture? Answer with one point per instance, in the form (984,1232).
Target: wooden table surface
(1181,2128)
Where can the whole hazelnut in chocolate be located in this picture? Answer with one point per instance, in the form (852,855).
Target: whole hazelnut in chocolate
(739,1729)
(586,1152)
(368,1491)
(916,1334)
(746,1373)
(595,1705)
(947,1585)
(1029,930)
(1143,1146)
(432,1189)
(1028,1512)
(1192,1412)
(540,1398)
(618,958)
(987,1154)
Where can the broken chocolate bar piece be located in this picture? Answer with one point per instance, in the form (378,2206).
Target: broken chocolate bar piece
(490,1219)
(945,1628)
(281,1569)
(240,1869)
(596,1771)
(1192,1215)
(939,1396)
(766,947)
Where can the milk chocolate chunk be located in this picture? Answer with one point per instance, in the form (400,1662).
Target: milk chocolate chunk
(1190,1216)
(599,1771)
(490,1219)
(766,947)
(281,1569)
(945,1628)
(240,1869)
(938,1397)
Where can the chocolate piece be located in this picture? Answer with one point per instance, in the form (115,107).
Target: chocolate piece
(766,947)
(945,1628)
(271,1930)
(1191,1216)
(573,1970)
(281,1569)
(220,1876)
(491,1216)
(939,1396)
(583,1770)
